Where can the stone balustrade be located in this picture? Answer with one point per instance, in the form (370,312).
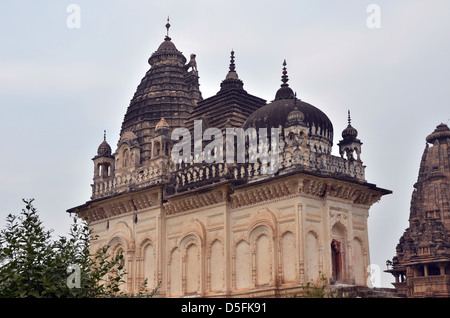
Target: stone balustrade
(139,178)
(188,176)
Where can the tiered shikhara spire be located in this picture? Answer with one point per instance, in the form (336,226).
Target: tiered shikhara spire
(422,262)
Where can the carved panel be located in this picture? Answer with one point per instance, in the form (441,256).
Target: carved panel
(338,215)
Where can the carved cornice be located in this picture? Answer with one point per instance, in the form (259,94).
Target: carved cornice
(263,192)
(119,205)
(196,200)
(309,186)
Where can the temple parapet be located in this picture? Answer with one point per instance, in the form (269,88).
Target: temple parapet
(188,176)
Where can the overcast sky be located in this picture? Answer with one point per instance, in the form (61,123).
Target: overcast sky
(60,87)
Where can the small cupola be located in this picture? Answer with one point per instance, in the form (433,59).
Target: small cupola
(162,127)
(350,144)
(103,161)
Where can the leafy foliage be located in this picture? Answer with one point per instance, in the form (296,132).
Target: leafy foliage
(316,290)
(34,265)
(311,290)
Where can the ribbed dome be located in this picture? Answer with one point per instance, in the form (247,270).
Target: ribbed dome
(104,149)
(349,133)
(164,91)
(284,107)
(166,48)
(276,114)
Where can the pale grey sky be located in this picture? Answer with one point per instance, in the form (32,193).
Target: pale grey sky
(60,87)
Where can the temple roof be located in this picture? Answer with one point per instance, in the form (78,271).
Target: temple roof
(427,237)
(276,113)
(441,132)
(168,90)
(230,107)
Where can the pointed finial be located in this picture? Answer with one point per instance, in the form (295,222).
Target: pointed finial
(284,92)
(104,135)
(232,75)
(232,66)
(349,119)
(167,27)
(284,77)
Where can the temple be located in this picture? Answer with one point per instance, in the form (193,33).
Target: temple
(421,266)
(229,227)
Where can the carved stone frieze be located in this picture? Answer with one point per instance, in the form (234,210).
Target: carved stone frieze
(196,201)
(119,205)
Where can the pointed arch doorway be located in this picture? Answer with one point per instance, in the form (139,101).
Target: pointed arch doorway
(336,260)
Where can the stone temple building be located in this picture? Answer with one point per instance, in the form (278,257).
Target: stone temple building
(422,265)
(229,228)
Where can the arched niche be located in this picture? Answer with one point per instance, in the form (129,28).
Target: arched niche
(312,256)
(192,264)
(147,263)
(338,252)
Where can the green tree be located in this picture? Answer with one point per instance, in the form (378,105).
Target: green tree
(32,264)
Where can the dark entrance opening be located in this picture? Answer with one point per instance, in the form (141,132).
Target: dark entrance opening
(336,260)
